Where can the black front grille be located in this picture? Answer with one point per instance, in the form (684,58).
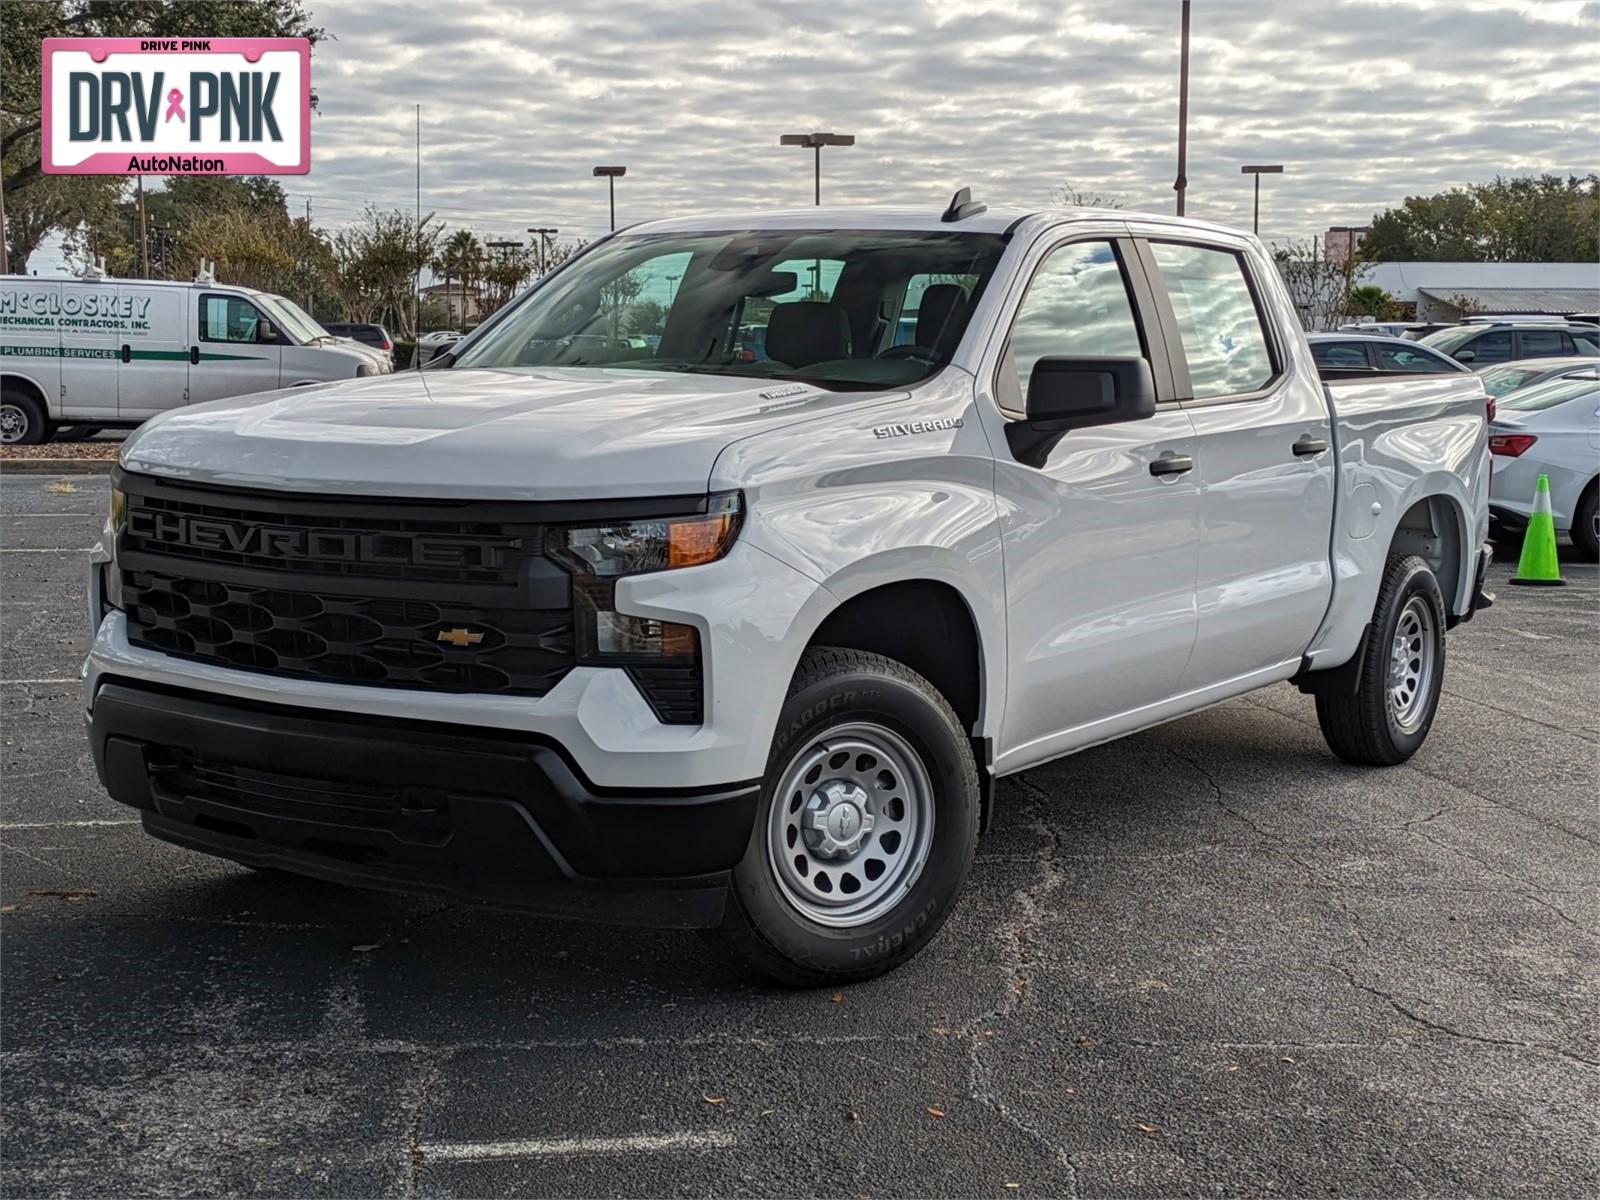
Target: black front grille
(373,640)
(439,595)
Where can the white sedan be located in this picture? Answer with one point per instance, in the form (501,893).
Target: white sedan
(1549,429)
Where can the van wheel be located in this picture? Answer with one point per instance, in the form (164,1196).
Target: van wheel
(1387,719)
(866,828)
(22,419)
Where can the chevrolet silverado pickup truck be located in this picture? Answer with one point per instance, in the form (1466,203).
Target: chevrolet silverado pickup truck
(699,591)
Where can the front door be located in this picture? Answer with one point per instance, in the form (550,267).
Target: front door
(155,351)
(1100,550)
(228,357)
(1263,457)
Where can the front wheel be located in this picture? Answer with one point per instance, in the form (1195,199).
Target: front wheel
(1387,718)
(867,825)
(1586,525)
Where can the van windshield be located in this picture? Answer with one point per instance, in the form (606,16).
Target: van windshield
(840,309)
(299,324)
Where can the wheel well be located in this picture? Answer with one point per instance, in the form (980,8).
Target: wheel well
(18,383)
(925,625)
(1431,529)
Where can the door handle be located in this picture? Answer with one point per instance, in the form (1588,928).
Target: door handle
(1171,464)
(127,352)
(1309,445)
(194,356)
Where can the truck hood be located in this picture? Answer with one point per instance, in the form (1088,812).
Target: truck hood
(516,434)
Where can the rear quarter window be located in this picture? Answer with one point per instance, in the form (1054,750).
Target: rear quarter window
(1223,339)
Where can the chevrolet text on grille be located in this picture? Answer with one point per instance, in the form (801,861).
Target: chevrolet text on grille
(328,545)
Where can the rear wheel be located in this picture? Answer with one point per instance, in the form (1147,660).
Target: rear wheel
(1586,525)
(1388,717)
(22,419)
(867,825)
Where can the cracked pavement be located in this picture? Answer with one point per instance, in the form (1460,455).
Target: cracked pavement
(1206,960)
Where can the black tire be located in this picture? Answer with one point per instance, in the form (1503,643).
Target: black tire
(763,929)
(23,421)
(1366,727)
(75,433)
(1585,537)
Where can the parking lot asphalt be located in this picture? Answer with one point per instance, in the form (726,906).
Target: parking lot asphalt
(1206,960)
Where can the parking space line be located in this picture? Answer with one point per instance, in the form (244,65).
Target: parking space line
(8,826)
(53,679)
(50,550)
(548,1147)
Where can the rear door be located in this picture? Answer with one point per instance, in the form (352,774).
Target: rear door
(30,335)
(227,357)
(154,374)
(1262,454)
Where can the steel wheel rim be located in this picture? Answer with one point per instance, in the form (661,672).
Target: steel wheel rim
(1412,658)
(850,825)
(13,423)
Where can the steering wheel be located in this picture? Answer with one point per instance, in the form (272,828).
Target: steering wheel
(920,353)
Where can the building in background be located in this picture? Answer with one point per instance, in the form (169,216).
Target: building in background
(462,309)
(1446,291)
(1340,242)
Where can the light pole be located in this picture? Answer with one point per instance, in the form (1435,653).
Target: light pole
(815,142)
(611,175)
(1258,170)
(1182,184)
(544,233)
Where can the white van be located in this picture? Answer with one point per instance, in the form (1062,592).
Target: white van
(108,352)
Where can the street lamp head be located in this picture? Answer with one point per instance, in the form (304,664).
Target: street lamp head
(614,172)
(1260,169)
(543,230)
(812,140)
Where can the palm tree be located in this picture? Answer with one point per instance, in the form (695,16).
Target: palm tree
(460,257)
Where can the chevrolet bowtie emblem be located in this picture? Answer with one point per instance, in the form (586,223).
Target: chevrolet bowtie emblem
(460,637)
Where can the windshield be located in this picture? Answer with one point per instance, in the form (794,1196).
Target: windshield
(1448,339)
(1547,395)
(840,309)
(1497,381)
(300,324)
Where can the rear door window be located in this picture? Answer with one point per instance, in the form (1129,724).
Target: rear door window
(1218,323)
(1409,360)
(1542,343)
(1341,356)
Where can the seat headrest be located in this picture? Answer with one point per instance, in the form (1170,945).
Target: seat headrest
(941,316)
(803,332)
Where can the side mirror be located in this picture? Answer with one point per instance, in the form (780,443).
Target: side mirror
(1075,393)
(1464,355)
(266,331)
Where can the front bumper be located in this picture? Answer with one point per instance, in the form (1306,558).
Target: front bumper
(486,817)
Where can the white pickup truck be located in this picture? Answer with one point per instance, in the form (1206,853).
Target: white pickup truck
(716,582)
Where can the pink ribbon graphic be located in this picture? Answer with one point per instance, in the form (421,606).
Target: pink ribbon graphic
(175,105)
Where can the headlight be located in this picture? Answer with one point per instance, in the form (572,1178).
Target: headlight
(599,555)
(116,522)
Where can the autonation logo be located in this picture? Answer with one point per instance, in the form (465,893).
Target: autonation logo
(169,106)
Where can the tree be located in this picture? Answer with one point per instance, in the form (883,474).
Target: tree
(65,202)
(1543,218)
(503,272)
(376,262)
(460,258)
(1072,197)
(1370,300)
(1321,289)
(25,25)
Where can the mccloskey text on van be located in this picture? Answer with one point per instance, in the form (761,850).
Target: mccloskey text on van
(699,591)
(108,352)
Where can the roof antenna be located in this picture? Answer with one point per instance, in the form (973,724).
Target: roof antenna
(962,206)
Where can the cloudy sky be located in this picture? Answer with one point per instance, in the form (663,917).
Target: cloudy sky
(1364,101)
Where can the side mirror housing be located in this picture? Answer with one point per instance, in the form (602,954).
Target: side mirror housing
(1076,393)
(266,332)
(1465,356)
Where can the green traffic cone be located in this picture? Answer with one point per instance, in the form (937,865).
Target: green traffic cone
(1538,564)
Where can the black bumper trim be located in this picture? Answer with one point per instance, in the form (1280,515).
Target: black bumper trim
(482,816)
